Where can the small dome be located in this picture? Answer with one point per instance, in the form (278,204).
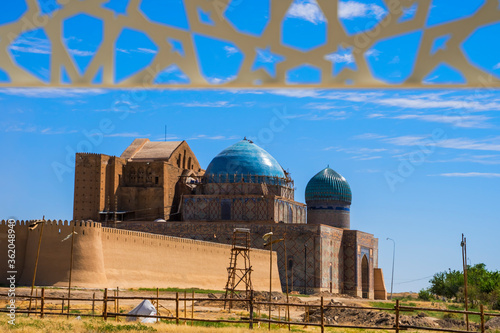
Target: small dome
(243,158)
(328,185)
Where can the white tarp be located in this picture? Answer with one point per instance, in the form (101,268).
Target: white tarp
(144,308)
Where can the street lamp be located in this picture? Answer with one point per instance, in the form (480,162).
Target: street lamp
(393,257)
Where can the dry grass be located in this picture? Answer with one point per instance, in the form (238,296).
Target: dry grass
(97,325)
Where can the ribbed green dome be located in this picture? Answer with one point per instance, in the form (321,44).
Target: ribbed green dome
(328,185)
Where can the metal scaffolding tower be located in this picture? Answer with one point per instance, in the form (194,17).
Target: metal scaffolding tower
(242,273)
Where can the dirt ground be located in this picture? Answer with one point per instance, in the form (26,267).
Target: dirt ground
(210,308)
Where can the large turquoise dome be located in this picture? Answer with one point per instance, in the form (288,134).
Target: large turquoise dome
(328,185)
(242,159)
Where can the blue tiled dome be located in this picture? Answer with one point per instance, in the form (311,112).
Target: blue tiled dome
(328,185)
(243,158)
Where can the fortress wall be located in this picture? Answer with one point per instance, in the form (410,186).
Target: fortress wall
(105,257)
(55,254)
(134,259)
(297,235)
(21,232)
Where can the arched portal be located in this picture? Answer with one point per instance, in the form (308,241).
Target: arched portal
(365,274)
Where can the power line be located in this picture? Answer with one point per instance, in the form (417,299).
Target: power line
(427,277)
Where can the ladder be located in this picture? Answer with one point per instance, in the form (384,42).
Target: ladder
(242,273)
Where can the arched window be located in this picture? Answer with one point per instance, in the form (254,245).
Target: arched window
(132,175)
(189,163)
(365,275)
(140,176)
(179,161)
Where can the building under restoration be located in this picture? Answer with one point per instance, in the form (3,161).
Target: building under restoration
(160,188)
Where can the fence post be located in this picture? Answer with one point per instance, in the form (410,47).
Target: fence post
(322,316)
(482,318)
(105,304)
(185,308)
(114,303)
(192,306)
(62,306)
(397,315)
(250,325)
(117,303)
(177,308)
(157,304)
(36,302)
(42,302)
(93,303)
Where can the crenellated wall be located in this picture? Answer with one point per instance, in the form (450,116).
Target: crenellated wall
(106,257)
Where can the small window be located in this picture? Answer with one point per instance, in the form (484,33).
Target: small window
(156,180)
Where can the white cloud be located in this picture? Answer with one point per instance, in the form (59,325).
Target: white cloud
(422,103)
(407,140)
(307,10)
(51,131)
(214,137)
(31,44)
(81,53)
(51,92)
(373,53)
(375,115)
(230,50)
(298,93)
(127,135)
(216,104)
(338,58)
(28,128)
(323,106)
(464,121)
(368,136)
(497,66)
(491,144)
(366,158)
(146,50)
(310,11)
(480,159)
(21,127)
(220,80)
(318,116)
(470,174)
(352,9)
(466,143)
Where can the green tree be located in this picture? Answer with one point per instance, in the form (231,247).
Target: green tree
(483,285)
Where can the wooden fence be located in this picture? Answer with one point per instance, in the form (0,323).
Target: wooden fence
(113,311)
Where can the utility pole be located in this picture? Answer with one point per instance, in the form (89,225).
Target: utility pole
(71,263)
(463,244)
(32,227)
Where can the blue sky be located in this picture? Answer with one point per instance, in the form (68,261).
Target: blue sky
(423,165)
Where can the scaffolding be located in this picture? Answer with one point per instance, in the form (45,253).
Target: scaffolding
(239,274)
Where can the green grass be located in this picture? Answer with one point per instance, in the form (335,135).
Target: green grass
(435,314)
(180,290)
(390,305)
